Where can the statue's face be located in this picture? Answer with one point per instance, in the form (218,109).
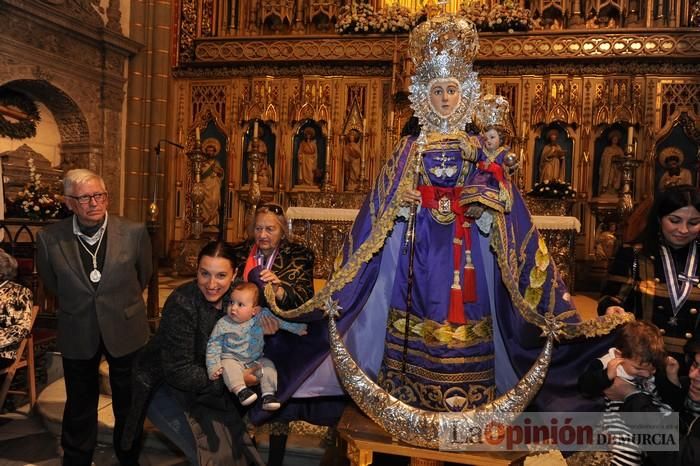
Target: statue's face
(491,139)
(445,95)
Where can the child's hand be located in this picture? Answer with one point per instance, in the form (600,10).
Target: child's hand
(304,331)
(612,367)
(619,390)
(217,374)
(672,368)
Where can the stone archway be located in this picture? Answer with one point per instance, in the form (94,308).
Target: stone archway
(71,122)
(77,70)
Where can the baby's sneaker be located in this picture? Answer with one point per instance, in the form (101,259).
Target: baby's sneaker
(270,402)
(247,396)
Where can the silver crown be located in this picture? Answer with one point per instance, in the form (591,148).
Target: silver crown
(444,47)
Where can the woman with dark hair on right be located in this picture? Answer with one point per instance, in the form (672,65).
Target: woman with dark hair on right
(657,279)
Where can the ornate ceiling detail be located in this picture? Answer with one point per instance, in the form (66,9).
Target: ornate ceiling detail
(520,47)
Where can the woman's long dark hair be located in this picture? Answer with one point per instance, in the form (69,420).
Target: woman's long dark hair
(218,249)
(666,202)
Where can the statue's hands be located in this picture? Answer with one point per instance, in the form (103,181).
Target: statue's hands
(468,151)
(412,197)
(474,211)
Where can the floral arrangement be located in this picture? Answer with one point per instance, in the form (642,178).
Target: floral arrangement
(355,17)
(36,201)
(502,17)
(553,189)
(361,18)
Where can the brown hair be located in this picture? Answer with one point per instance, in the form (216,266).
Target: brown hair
(503,133)
(248,286)
(643,340)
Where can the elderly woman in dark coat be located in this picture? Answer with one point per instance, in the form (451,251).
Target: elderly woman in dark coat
(269,256)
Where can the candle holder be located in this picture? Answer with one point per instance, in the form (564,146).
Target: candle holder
(198,194)
(327,186)
(522,161)
(627,163)
(254,157)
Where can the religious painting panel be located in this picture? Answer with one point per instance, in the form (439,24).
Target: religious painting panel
(607,176)
(676,160)
(213,173)
(266,144)
(309,155)
(553,155)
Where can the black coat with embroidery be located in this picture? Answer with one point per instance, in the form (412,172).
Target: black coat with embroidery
(293,265)
(636,282)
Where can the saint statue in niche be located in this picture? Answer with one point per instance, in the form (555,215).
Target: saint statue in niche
(352,160)
(552,159)
(212,176)
(608,177)
(671,158)
(308,157)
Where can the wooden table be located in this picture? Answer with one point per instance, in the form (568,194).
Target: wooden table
(364,438)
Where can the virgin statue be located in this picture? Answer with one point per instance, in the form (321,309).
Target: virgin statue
(444,312)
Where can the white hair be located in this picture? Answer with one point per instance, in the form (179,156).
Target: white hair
(80,176)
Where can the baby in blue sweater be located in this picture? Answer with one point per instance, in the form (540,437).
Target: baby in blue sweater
(236,344)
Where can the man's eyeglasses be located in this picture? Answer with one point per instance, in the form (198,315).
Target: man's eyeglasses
(275,209)
(85,198)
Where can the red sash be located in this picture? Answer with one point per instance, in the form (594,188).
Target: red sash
(446,200)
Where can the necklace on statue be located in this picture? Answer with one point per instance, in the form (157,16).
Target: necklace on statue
(95,275)
(679,286)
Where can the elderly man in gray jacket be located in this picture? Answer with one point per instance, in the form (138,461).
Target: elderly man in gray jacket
(97,265)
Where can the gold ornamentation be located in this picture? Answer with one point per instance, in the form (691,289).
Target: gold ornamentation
(432,397)
(494,46)
(426,428)
(438,334)
(294,49)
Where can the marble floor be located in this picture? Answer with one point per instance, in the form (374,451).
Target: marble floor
(25,440)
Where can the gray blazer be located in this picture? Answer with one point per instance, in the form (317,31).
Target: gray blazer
(115,309)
